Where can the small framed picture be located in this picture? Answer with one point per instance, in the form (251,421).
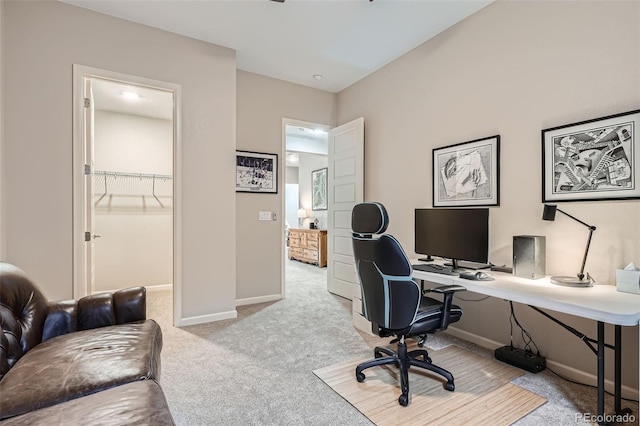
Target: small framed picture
(319,189)
(596,159)
(256,172)
(467,174)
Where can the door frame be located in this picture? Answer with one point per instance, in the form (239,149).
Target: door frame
(80,286)
(290,122)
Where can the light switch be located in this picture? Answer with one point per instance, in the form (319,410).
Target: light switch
(264,216)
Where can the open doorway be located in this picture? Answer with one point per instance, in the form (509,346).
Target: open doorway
(306,150)
(125,219)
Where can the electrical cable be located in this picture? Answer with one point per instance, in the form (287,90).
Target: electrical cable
(526,337)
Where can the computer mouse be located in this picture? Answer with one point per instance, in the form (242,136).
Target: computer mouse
(483,276)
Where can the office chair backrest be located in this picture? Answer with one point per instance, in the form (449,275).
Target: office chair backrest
(390,298)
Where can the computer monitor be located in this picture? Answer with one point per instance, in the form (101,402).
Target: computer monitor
(456,234)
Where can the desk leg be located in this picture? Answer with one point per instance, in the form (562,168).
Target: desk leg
(600,370)
(618,370)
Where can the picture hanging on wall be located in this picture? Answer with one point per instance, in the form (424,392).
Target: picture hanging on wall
(596,159)
(467,173)
(256,172)
(319,189)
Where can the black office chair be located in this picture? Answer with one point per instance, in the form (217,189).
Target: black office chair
(392,300)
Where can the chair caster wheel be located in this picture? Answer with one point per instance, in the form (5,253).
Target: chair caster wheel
(360,377)
(450,386)
(403,400)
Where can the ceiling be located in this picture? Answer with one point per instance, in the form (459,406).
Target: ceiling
(341,40)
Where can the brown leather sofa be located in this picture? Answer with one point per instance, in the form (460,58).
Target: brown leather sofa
(91,361)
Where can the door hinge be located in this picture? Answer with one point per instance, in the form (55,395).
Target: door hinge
(87,102)
(87,236)
(87,169)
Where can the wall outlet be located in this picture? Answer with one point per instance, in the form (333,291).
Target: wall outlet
(264,216)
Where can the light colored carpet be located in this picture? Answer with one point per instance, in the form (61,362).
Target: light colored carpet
(483,394)
(257,369)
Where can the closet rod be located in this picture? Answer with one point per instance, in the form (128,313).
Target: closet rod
(132,175)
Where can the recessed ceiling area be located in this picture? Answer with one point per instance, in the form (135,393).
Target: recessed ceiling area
(132,99)
(341,40)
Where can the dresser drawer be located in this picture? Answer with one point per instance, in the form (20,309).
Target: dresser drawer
(311,254)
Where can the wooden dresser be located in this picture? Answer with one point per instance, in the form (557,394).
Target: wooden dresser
(308,245)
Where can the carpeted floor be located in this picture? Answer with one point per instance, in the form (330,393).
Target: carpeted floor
(257,369)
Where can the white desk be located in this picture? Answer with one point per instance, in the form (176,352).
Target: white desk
(602,303)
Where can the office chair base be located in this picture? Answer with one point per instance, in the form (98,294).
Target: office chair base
(404,360)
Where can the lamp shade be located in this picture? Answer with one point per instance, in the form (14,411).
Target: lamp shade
(302,212)
(549,212)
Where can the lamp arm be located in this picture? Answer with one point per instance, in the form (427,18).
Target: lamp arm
(586,251)
(593,228)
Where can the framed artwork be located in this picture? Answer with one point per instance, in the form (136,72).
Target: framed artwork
(596,159)
(256,172)
(467,174)
(319,189)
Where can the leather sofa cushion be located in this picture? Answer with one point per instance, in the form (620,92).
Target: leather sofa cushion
(139,403)
(81,363)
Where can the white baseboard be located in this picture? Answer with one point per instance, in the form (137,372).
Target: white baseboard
(562,369)
(159,287)
(260,299)
(201,319)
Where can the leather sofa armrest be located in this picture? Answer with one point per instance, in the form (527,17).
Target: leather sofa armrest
(94,311)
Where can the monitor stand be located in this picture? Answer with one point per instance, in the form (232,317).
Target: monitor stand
(426,259)
(464,264)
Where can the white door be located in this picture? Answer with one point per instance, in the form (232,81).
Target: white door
(345,189)
(89,235)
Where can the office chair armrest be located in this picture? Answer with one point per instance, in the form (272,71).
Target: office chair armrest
(447,291)
(444,289)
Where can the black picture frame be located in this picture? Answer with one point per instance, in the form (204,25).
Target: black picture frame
(256,172)
(319,189)
(467,174)
(597,159)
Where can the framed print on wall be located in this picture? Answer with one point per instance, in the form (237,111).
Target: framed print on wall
(596,159)
(467,174)
(256,172)
(319,189)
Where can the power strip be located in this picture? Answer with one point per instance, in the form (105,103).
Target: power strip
(521,359)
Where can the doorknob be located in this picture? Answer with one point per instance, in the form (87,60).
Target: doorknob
(97,236)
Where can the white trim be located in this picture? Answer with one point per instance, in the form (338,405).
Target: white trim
(79,73)
(260,299)
(150,288)
(202,319)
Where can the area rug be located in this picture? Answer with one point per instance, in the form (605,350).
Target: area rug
(483,393)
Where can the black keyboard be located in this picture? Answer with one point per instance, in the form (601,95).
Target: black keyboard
(435,268)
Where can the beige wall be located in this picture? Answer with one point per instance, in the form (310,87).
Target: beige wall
(261,104)
(2,179)
(42,42)
(512,69)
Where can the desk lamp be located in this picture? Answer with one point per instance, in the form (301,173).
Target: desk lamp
(549,213)
(302,215)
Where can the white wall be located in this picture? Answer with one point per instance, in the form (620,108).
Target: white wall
(43,40)
(136,229)
(512,69)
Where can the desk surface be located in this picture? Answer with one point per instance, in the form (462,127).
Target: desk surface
(600,302)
